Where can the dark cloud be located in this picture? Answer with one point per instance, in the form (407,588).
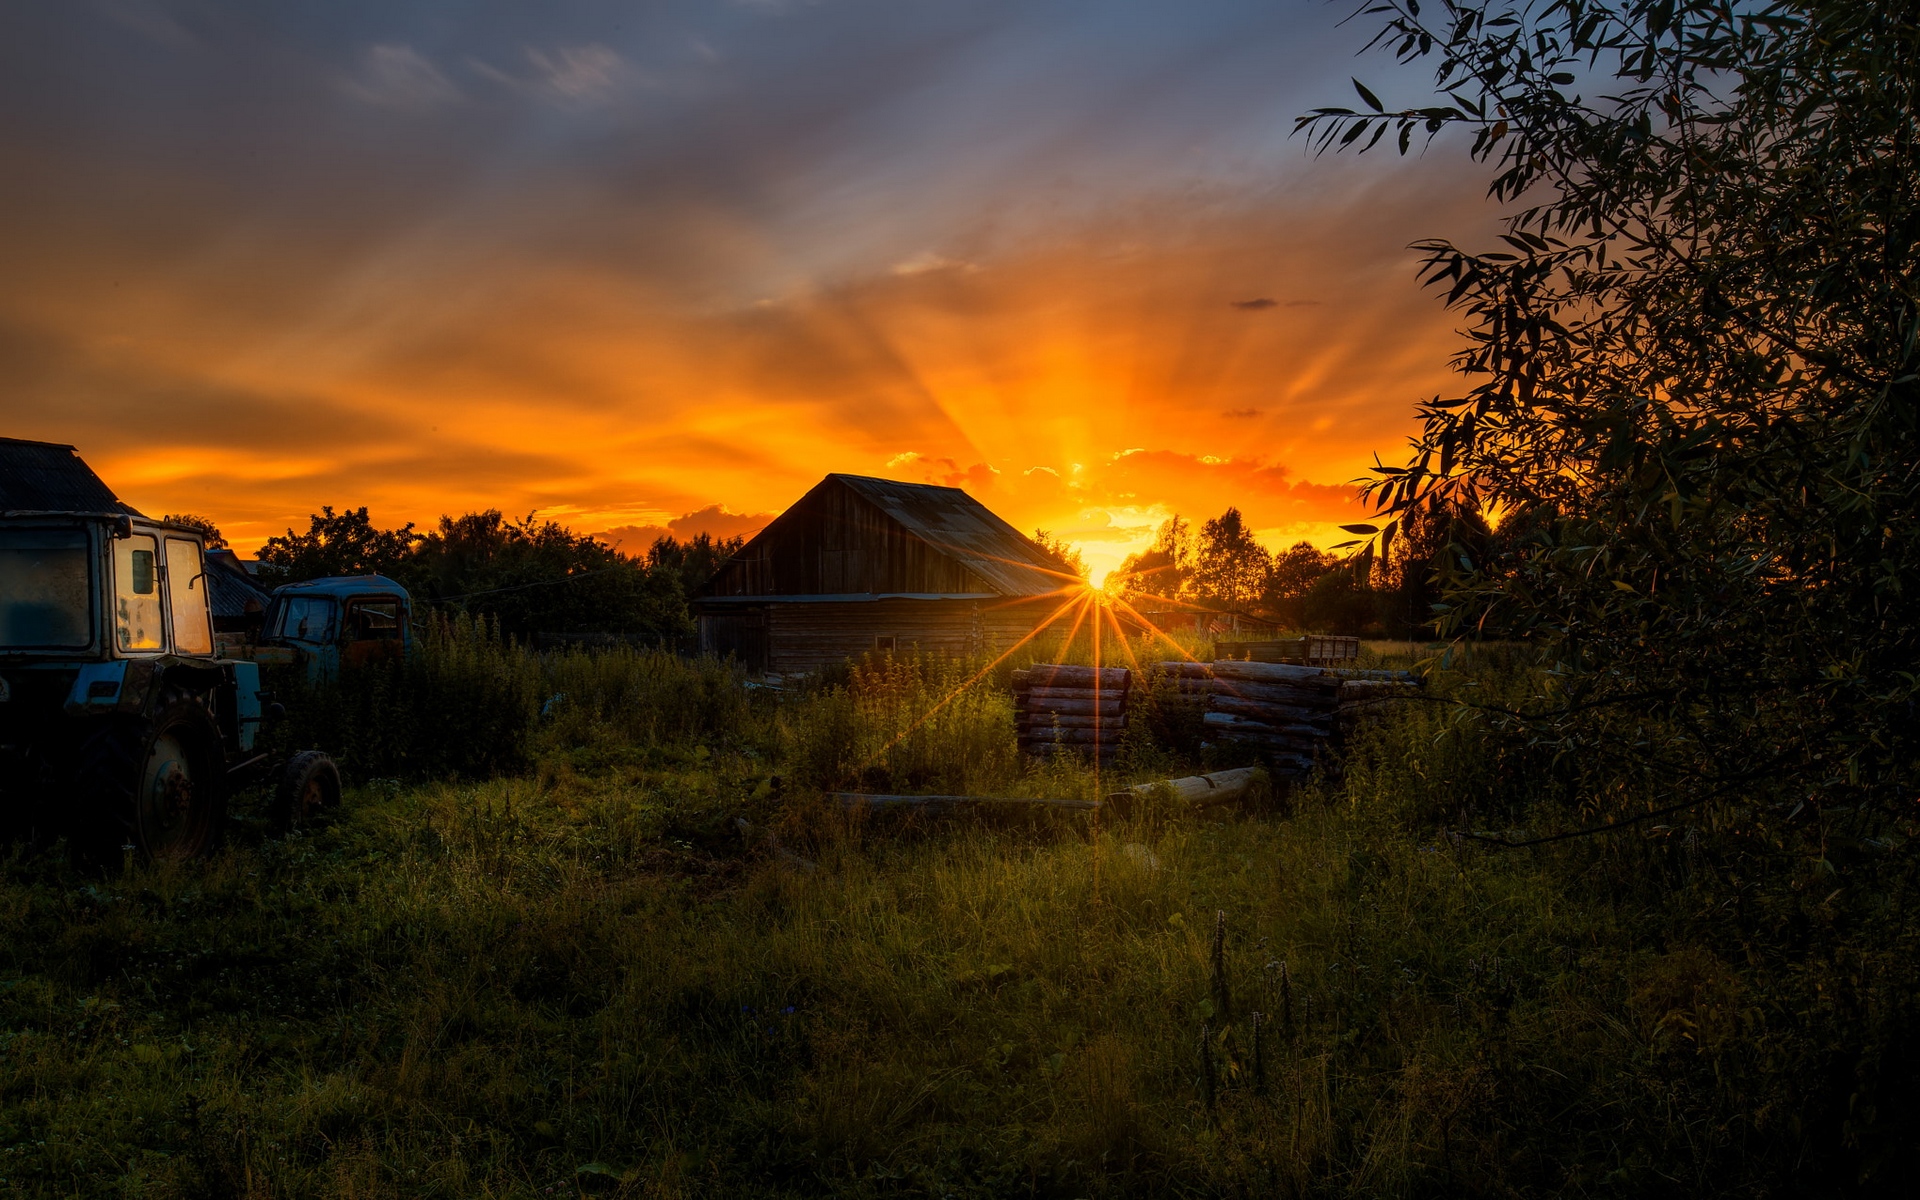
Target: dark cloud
(1255,305)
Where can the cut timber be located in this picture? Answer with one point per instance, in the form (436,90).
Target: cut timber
(1217,788)
(861,799)
(1252,672)
(1053,675)
(1277,693)
(1231,715)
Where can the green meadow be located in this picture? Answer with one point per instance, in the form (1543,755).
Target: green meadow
(611,938)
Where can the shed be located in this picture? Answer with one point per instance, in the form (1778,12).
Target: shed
(861,564)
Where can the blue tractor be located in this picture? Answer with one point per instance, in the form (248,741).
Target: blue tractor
(125,719)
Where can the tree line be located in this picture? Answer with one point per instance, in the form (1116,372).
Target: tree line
(1221,566)
(532,576)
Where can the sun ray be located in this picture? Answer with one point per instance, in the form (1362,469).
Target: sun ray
(977,676)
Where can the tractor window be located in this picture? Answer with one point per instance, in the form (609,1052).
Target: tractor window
(136,595)
(43,589)
(187,593)
(305,619)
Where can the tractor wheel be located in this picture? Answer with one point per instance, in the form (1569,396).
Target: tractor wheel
(156,785)
(308,783)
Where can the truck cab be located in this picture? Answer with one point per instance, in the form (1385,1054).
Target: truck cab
(344,620)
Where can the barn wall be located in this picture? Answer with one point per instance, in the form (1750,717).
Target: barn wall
(834,542)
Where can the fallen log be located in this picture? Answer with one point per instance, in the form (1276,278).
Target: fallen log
(863,800)
(1216,788)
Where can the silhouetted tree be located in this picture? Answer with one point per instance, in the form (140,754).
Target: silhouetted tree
(1064,554)
(694,560)
(344,543)
(1163,570)
(205,525)
(1231,567)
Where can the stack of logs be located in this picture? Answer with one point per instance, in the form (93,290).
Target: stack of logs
(1285,711)
(1078,708)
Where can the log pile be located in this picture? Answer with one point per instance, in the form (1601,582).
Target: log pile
(1059,707)
(1287,712)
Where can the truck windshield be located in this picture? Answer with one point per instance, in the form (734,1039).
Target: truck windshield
(44,601)
(305,618)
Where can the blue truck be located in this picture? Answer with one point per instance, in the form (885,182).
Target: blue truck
(125,720)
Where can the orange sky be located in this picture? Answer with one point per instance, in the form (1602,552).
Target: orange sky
(1086,347)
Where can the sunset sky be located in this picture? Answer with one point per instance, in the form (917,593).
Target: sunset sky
(650,266)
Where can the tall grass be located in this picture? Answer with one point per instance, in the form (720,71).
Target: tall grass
(672,974)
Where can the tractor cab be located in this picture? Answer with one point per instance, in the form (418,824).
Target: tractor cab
(123,724)
(350,620)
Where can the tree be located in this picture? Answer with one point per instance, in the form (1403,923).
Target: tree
(538,576)
(1230,567)
(1291,577)
(1163,569)
(1065,556)
(1695,354)
(346,543)
(694,560)
(205,525)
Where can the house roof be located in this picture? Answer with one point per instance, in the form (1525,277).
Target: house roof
(50,477)
(964,529)
(230,590)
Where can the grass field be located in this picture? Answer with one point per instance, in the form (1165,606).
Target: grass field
(653,962)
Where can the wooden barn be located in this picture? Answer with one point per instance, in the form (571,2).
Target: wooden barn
(859,565)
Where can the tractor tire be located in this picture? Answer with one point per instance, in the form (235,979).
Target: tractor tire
(156,786)
(309,784)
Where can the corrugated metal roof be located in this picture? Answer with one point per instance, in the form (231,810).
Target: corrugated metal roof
(49,477)
(230,590)
(964,529)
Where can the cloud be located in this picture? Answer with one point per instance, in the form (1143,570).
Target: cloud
(1254,305)
(927,260)
(583,76)
(395,76)
(714,520)
(1241,414)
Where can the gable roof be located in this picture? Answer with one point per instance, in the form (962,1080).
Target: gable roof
(965,530)
(50,477)
(854,537)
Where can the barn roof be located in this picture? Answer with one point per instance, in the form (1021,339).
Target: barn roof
(50,477)
(962,528)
